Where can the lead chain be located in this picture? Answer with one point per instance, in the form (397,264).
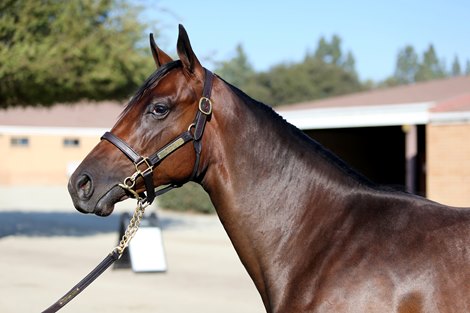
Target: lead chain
(132,228)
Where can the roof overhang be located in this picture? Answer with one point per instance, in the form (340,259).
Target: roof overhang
(54,131)
(360,116)
(450,117)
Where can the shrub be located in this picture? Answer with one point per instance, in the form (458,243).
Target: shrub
(190,197)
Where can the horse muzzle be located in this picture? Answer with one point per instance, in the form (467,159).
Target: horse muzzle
(88,197)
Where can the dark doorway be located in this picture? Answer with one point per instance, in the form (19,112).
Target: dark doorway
(376,152)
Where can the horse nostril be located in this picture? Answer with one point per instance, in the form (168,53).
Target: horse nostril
(84,187)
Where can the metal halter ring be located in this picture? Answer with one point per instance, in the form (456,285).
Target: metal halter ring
(203,108)
(191,126)
(130,189)
(129,182)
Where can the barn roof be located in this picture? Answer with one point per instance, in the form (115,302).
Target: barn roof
(446,100)
(92,118)
(83,114)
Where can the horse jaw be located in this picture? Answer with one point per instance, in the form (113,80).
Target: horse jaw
(105,205)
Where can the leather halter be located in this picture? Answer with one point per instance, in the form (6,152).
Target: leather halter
(144,165)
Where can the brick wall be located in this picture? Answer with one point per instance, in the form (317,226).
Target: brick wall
(448,163)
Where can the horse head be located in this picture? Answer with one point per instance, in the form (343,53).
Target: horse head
(148,146)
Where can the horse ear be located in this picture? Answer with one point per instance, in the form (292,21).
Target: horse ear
(186,53)
(159,56)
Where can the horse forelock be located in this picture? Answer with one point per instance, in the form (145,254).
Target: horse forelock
(150,83)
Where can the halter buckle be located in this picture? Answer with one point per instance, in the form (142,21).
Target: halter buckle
(147,163)
(205,105)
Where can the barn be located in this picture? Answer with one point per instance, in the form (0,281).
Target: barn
(414,137)
(42,146)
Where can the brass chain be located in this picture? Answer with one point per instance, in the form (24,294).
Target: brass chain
(139,211)
(132,228)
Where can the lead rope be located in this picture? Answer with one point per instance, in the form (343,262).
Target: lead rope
(113,256)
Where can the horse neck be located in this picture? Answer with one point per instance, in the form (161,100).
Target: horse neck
(272,187)
(256,156)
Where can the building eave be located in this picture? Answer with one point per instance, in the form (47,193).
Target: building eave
(360,116)
(52,131)
(450,117)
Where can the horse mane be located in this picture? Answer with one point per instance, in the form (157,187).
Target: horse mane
(279,122)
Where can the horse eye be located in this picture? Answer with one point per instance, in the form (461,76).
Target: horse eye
(160,110)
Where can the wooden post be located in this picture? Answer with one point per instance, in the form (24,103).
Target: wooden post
(411,155)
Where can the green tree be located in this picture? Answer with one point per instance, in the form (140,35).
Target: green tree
(237,70)
(409,68)
(329,52)
(350,64)
(61,51)
(406,66)
(190,197)
(326,72)
(430,67)
(308,80)
(467,68)
(258,88)
(456,70)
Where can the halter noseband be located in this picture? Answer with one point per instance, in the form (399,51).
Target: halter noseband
(144,165)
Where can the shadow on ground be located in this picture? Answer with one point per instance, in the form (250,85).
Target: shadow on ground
(14,223)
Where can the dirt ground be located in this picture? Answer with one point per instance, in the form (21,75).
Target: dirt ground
(204,273)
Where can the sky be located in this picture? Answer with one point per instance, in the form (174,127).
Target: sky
(274,32)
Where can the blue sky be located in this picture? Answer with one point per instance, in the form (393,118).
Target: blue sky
(272,32)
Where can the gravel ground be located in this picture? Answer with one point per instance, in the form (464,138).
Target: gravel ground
(45,251)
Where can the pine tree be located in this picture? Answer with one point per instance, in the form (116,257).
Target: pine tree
(350,64)
(236,70)
(456,70)
(406,66)
(329,52)
(430,67)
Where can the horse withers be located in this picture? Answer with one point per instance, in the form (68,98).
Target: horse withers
(313,234)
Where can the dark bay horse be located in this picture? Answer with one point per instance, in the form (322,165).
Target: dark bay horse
(314,235)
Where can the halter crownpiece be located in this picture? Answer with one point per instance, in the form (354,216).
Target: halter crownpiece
(144,165)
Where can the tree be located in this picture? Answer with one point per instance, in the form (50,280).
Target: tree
(406,66)
(307,80)
(321,74)
(326,72)
(61,51)
(350,64)
(237,70)
(456,70)
(409,68)
(430,67)
(329,52)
